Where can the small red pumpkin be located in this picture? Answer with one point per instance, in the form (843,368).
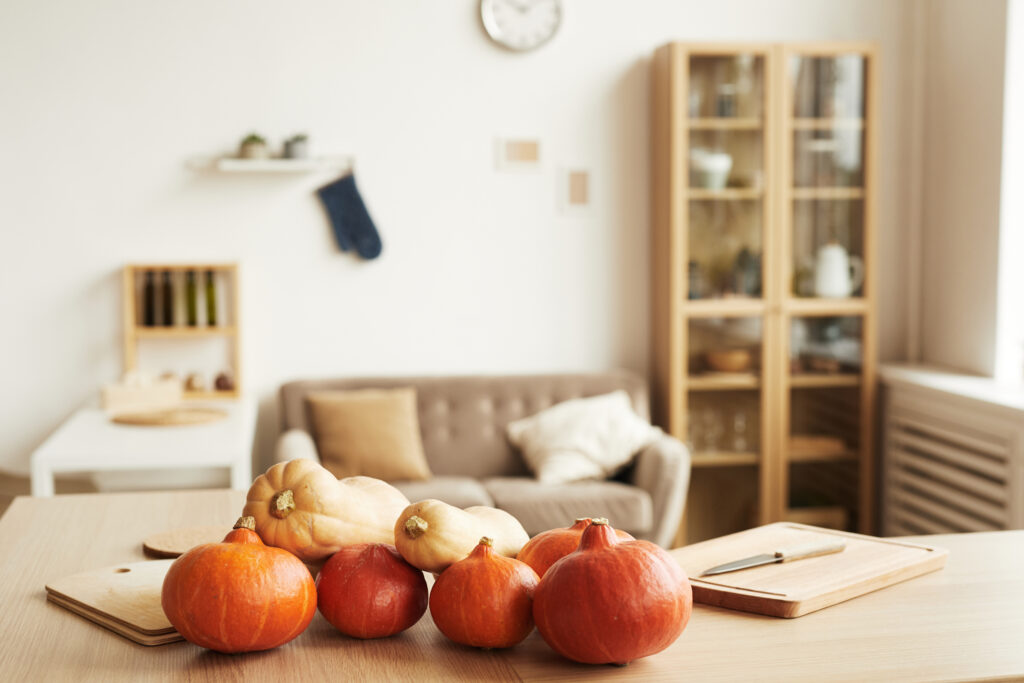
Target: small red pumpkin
(612,601)
(368,591)
(239,595)
(547,547)
(484,600)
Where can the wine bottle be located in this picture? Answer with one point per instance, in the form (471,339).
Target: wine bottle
(168,302)
(211,300)
(191,305)
(149,300)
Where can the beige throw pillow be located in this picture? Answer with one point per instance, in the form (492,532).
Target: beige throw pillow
(585,438)
(370,432)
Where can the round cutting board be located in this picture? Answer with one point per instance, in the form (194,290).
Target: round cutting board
(170,417)
(178,541)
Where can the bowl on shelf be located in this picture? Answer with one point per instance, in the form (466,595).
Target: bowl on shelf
(729,360)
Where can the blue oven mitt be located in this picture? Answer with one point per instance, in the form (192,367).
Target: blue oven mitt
(349,218)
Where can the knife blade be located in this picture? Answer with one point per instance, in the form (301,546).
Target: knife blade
(798,552)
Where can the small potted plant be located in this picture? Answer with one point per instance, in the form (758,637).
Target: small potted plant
(253,147)
(296,147)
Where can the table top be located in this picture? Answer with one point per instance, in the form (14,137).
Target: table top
(91,438)
(961,623)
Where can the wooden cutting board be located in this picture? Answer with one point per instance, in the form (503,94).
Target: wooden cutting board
(792,589)
(124,598)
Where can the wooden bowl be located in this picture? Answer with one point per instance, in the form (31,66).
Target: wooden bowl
(729,360)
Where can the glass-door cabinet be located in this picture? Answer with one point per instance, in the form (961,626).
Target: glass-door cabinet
(762,291)
(828,306)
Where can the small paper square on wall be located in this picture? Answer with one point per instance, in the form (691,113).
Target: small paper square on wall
(579,188)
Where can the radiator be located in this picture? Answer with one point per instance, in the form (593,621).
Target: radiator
(951,463)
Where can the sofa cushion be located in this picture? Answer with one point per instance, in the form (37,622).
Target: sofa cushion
(462,492)
(585,438)
(540,507)
(370,432)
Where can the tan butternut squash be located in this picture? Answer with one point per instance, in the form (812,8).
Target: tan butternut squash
(300,506)
(432,535)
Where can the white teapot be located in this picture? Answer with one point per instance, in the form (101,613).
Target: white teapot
(837,274)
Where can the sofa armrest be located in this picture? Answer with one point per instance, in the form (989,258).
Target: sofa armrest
(663,470)
(295,444)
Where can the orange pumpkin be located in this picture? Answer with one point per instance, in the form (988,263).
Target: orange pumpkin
(369,591)
(239,595)
(547,547)
(612,601)
(484,600)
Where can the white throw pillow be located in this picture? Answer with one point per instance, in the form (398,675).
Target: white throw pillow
(585,438)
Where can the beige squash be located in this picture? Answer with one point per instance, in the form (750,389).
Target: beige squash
(432,535)
(301,507)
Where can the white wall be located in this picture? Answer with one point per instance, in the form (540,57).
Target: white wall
(965,52)
(103,101)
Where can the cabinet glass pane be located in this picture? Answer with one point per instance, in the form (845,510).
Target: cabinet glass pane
(823,443)
(725,349)
(827,180)
(726,247)
(831,158)
(729,86)
(828,247)
(825,348)
(726,172)
(829,87)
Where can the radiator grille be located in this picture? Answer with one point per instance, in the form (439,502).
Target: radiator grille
(945,472)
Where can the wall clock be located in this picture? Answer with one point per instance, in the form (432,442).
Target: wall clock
(521,25)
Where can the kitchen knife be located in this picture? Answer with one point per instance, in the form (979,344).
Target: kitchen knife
(797,552)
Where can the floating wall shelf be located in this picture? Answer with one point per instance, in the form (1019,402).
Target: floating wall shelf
(233,165)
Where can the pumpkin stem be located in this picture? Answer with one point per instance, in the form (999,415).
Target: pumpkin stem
(282,504)
(598,535)
(599,520)
(245,523)
(489,542)
(415,526)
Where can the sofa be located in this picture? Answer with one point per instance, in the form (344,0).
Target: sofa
(462,423)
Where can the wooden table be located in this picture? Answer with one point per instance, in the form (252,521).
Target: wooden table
(965,622)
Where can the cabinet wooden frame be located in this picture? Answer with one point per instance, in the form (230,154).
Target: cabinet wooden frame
(134,331)
(672,311)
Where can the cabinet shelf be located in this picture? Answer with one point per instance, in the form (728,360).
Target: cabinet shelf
(724,459)
(178,332)
(725,123)
(723,308)
(726,194)
(824,456)
(723,382)
(810,380)
(827,123)
(827,192)
(813,306)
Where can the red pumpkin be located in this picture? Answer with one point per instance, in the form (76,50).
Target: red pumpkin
(239,595)
(612,601)
(368,591)
(484,600)
(547,547)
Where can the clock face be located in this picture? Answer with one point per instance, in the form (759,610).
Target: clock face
(521,24)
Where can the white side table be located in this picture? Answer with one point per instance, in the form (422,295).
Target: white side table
(89,442)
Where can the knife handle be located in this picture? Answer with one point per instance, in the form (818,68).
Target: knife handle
(814,549)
